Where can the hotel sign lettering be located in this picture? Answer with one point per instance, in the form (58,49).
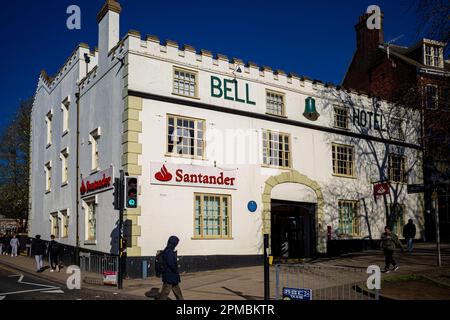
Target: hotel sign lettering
(231,89)
(368,119)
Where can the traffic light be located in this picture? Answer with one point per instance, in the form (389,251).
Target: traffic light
(131,192)
(117,193)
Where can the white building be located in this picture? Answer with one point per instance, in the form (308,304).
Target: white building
(224,153)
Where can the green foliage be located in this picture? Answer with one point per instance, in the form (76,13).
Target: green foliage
(14,164)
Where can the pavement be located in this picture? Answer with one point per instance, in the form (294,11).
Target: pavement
(247,283)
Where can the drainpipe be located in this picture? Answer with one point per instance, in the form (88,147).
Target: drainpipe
(77,245)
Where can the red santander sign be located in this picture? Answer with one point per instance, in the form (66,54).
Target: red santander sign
(192,176)
(98,182)
(380,189)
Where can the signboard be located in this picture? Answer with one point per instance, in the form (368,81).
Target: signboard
(380,189)
(98,182)
(416,188)
(297,294)
(110,278)
(172,174)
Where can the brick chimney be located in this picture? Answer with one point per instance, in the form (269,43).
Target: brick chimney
(108,29)
(367,41)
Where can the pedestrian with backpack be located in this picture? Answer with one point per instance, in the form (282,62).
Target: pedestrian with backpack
(389,241)
(53,253)
(169,270)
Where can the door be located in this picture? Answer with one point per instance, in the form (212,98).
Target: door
(293,230)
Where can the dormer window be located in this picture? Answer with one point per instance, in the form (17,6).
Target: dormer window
(432,56)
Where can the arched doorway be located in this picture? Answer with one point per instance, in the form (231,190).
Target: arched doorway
(306,210)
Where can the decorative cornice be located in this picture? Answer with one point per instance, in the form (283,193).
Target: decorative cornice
(110,5)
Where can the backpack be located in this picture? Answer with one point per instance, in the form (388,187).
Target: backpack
(159,263)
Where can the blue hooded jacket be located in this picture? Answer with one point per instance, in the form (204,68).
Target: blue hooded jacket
(171,274)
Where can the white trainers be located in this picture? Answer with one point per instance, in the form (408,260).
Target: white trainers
(52,270)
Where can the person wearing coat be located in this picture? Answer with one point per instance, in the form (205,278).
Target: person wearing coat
(38,250)
(14,243)
(170,274)
(389,241)
(409,233)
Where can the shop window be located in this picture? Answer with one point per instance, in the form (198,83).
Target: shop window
(276,149)
(212,216)
(349,221)
(343,160)
(186,137)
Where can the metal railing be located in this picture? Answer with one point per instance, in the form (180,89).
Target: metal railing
(95,267)
(318,282)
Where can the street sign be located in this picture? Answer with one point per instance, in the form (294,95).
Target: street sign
(297,294)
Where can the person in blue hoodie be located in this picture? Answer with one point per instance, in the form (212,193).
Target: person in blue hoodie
(170,274)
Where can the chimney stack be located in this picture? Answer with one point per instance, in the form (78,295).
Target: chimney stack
(108,29)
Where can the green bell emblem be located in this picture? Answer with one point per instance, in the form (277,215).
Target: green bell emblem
(310,109)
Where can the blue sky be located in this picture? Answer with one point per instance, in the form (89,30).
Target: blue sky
(312,38)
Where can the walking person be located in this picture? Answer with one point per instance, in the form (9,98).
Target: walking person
(38,250)
(7,242)
(53,253)
(14,243)
(389,241)
(409,233)
(170,274)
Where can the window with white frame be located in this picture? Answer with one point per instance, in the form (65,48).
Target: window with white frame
(275,103)
(396,129)
(48,125)
(185,82)
(94,138)
(48,176)
(397,168)
(91,219)
(55,224)
(212,217)
(64,223)
(341,117)
(349,222)
(65,115)
(185,136)
(64,166)
(432,56)
(343,160)
(431,96)
(276,149)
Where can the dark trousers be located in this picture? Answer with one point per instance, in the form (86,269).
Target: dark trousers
(389,259)
(166,288)
(54,261)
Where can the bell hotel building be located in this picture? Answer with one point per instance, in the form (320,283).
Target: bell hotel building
(224,152)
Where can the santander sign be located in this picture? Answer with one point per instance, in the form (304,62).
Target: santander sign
(194,176)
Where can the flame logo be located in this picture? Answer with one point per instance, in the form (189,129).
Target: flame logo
(83,188)
(164,175)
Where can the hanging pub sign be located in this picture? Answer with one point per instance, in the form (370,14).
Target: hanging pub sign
(380,189)
(172,174)
(98,182)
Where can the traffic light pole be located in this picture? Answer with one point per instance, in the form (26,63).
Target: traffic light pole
(121,211)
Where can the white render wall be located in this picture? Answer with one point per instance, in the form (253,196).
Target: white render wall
(60,197)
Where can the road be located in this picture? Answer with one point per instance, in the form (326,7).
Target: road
(17,285)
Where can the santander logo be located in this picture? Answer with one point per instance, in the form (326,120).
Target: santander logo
(164,175)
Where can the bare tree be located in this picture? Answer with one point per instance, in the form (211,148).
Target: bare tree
(14,164)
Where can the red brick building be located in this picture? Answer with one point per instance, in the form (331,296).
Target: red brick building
(417,76)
